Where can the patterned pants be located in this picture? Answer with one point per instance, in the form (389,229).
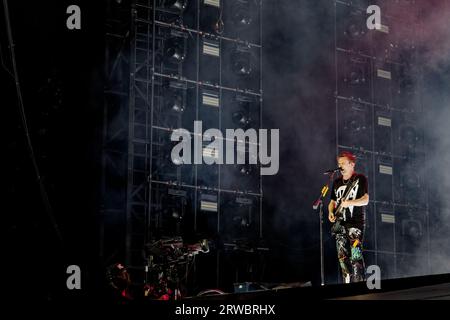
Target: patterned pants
(350,254)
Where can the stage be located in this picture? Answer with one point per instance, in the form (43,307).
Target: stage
(434,287)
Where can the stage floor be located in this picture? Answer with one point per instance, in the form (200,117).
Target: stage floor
(432,287)
(434,292)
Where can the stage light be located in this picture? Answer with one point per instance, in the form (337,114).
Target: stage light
(405,82)
(175,214)
(174,50)
(240,221)
(406,86)
(176,203)
(245,170)
(241,118)
(241,217)
(241,13)
(412,229)
(409,184)
(409,136)
(357,76)
(179,5)
(407,140)
(364,162)
(356,72)
(356,122)
(174,102)
(353,125)
(242,62)
(411,179)
(354,31)
(356,126)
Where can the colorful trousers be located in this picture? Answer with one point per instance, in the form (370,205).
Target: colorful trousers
(350,253)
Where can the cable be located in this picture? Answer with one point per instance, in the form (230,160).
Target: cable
(43,192)
(219,25)
(3,64)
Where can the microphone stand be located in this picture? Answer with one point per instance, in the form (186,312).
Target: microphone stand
(318,204)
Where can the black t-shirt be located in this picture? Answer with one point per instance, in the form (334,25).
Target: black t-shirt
(353,216)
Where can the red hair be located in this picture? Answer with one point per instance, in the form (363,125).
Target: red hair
(346,154)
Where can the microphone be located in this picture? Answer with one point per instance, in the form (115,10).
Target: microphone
(333,170)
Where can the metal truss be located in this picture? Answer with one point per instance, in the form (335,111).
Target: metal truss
(366,76)
(139,183)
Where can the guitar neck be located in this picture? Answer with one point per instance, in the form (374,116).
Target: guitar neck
(339,210)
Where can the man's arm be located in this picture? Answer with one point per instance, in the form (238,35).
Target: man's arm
(331,207)
(363,201)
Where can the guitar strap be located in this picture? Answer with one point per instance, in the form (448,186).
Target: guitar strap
(348,189)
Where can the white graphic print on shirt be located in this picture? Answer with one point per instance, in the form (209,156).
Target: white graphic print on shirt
(352,196)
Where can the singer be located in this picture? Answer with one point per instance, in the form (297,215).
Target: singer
(346,211)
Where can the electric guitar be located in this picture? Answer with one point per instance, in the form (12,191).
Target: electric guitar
(339,211)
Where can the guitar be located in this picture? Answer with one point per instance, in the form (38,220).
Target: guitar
(339,212)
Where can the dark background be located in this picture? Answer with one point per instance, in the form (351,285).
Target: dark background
(61,76)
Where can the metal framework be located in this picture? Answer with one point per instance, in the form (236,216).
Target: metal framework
(378,117)
(181,68)
(112,211)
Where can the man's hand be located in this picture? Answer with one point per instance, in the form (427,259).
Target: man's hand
(331,217)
